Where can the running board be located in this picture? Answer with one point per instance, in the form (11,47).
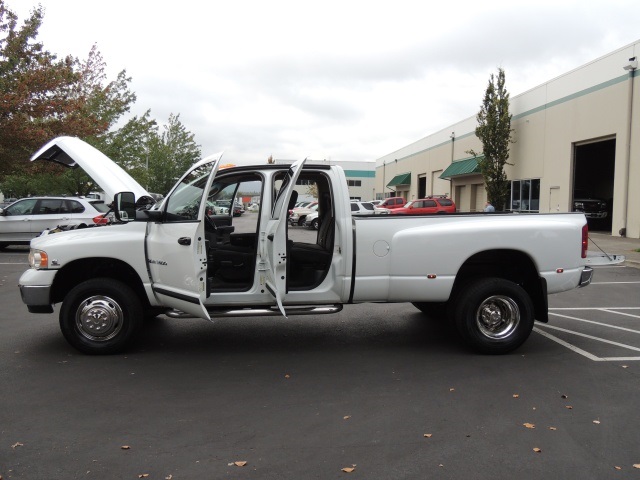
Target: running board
(262,312)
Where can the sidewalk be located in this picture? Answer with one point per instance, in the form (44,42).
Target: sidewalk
(616,245)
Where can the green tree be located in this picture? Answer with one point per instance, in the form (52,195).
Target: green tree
(169,154)
(44,97)
(495,132)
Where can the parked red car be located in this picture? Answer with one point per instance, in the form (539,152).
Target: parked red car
(427,205)
(392,203)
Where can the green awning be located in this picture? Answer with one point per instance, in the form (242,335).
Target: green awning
(402,179)
(463,167)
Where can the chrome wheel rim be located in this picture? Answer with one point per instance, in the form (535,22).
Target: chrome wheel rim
(99,318)
(497,317)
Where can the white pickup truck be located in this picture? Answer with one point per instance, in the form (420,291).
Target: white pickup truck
(488,273)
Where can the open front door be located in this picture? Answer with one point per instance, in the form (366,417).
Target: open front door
(176,243)
(273,239)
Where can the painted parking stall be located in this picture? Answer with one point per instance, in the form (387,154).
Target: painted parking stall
(604,327)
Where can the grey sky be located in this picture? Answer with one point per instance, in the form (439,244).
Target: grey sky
(341,80)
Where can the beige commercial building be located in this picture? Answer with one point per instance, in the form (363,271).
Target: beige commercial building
(576,136)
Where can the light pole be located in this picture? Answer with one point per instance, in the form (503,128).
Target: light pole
(631,67)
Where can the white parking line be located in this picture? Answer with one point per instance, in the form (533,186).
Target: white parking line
(620,313)
(595,308)
(599,323)
(591,337)
(584,353)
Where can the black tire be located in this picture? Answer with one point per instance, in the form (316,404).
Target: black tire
(301,220)
(493,315)
(101,316)
(433,310)
(315,224)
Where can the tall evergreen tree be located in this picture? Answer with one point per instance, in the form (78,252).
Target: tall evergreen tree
(495,132)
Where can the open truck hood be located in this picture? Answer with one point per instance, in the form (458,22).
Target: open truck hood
(73,153)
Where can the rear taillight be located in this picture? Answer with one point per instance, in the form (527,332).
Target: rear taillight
(585,240)
(100,220)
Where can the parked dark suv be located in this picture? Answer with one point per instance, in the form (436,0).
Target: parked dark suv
(595,208)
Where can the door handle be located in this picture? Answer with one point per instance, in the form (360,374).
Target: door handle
(270,236)
(184,241)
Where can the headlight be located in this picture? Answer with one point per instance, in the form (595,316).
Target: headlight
(38,259)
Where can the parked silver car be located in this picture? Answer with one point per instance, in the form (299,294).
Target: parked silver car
(27,218)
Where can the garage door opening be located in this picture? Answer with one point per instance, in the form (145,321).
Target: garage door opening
(593,178)
(422,186)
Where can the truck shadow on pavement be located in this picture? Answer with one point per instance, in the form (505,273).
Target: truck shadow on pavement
(297,334)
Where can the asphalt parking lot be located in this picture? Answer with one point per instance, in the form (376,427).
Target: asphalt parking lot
(376,392)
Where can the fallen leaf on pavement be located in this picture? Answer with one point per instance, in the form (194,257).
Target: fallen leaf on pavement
(240,463)
(529,425)
(597,422)
(537,450)
(636,465)
(348,469)
(552,428)
(563,396)
(125,447)
(618,468)
(515,395)
(428,435)
(569,407)
(17,444)
(346,417)
(143,475)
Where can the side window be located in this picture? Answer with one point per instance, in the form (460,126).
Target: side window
(48,207)
(367,206)
(430,203)
(354,207)
(184,203)
(399,201)
(74,207)
(23,207)
(445,202)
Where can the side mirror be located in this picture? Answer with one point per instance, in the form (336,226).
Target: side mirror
(125,206)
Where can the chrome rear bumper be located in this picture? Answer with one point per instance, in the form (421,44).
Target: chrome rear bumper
(585,277)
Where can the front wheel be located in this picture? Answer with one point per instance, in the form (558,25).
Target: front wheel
(101,316)
(494,315)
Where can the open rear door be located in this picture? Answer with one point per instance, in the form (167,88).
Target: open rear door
(176,245)
(273,239)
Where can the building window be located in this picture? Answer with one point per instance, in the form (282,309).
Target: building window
(525,195)
(354,183)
